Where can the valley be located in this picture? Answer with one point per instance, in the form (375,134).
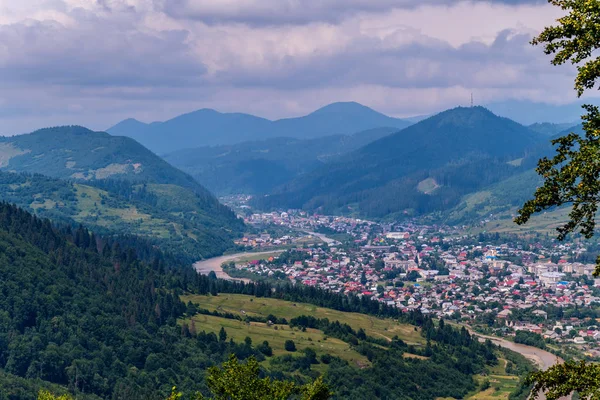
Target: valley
(314,294)
(299,200)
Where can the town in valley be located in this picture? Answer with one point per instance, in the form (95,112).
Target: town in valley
(530,287)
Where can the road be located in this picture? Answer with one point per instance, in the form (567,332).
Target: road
(214,264)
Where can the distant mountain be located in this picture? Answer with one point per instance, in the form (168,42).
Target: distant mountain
(120,186)
(208,127)
(259,166)
(550,129)
(129,127)
(528,112)
(578,129)
(424,168)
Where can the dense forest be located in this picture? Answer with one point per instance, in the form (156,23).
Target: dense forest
(101,319)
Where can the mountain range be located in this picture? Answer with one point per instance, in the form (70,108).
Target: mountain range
(208,127)
(424,168)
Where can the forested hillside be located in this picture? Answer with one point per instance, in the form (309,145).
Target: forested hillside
(114,184)
(260,166)
(91,317)
(424,168)
(170,216)
(75,152)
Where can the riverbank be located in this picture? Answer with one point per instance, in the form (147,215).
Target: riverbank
(542,358)
(215,264)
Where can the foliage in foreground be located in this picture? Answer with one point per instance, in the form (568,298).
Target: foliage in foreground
(571,177)
(564,379)
(237,381)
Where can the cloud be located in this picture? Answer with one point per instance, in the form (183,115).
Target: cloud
(283,12)
(95,52)
(96,62)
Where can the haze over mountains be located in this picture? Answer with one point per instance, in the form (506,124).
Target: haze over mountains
(257,167)
(208,127)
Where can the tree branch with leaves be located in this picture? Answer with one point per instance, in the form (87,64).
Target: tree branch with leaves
(571,177)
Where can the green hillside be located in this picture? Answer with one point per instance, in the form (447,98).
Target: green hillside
(500,198)
(173,217)
(116,185)
(74,152)
(95,321)
(259,166)
(447,156)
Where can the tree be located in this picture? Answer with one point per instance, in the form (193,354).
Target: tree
(45,395)
(571,177)
(290,345)
(222,335)
(265,349)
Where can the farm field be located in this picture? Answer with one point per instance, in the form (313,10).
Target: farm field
(276,335)
(260,306)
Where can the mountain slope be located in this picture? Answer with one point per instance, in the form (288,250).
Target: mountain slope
(426,167)
(208,127)
(120,187)
(338,119)
(74,152)
(82,313)
(259,166)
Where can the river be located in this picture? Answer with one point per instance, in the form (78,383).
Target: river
(542,358)
(214,264)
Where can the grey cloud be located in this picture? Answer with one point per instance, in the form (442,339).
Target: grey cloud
(422,63)
(292,12)
(96,53)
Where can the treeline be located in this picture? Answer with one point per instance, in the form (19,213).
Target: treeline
(203,284)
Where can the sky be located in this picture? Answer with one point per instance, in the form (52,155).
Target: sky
(96,62)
